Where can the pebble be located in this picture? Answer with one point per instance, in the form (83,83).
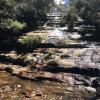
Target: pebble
(19,86)
(70,89)
(39,94)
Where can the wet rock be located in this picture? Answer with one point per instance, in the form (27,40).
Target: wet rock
(69,89)
(66,62)
(26,94)
(80,80)
(96,85)
(29,58)
(71,80)
(42,50)
(51,65)
(39,94)
(34,59)
(40,64)
(96,58)
(40,61)
(36,93)
(2,95)
(79,52)
(96,82)
(98,91)
(9,69)
(6,89)
(64,56)
(15,72)
(90,89)
(54,51)
(33,93)
(48,56)
(65,51)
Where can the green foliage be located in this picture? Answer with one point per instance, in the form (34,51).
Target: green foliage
(87,9)
(11,24)
(71,17)
(62,21)
(30,41)
(89,12)
(62,8)
(18,15)
(17,25)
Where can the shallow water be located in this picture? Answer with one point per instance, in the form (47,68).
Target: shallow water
(14,88)
(57,33)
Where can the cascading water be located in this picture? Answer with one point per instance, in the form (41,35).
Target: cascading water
(58,34)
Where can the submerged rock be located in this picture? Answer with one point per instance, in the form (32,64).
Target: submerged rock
(90,89)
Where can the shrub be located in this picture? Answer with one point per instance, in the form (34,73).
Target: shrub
(71,18)
(10,24)
(63,21)
(30,41)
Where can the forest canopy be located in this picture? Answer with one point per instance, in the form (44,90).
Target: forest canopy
(87,9)
(19,15)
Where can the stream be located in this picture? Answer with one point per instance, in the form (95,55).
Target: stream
(57,34)
(14,88)
(43,77)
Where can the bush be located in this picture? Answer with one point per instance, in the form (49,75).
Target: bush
(13,25)
(15,14)
(30,41)
(63,21)
(71,18)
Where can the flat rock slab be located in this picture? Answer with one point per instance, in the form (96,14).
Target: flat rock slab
(67,63)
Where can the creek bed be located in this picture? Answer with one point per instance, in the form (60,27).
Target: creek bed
(14,88)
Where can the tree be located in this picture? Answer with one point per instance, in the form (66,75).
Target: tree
(71,17)
(19,15)
(87,9)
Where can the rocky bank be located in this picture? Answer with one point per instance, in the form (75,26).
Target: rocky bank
(72,73)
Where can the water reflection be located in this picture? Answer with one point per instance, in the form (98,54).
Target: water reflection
(57,34)
(12,87)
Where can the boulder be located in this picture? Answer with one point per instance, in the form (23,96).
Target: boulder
(51,66)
